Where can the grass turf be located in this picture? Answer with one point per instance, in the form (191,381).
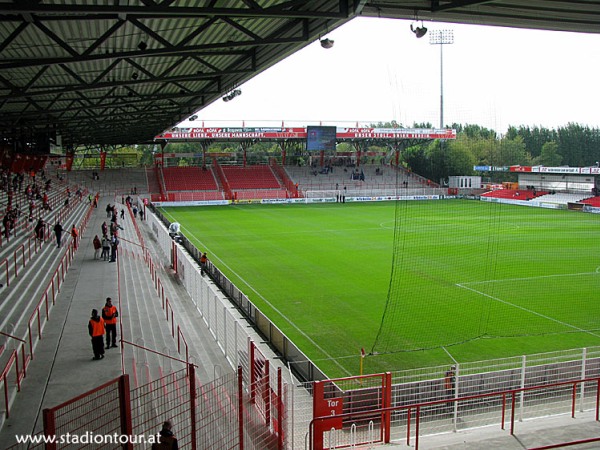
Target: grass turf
(472,280)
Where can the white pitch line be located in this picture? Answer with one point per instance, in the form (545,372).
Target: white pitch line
(283,316)
(531,278)
(527,310)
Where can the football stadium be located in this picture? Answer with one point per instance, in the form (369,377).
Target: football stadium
(168,282)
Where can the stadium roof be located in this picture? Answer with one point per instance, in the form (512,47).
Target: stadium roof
(120,72)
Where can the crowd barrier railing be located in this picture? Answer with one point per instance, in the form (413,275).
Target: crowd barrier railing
(340,428)
(37,319)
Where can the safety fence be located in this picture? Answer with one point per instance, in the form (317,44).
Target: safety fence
(21,254)
(23,351)
(216,415)
(482,377)
(346,417)
(263,383)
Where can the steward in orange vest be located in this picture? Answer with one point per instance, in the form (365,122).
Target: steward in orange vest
(96,330)
(110,314)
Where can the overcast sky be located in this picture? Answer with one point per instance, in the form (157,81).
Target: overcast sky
(379,71)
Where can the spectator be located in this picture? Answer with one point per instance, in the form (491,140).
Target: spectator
(167,439)
(110,314)
(39,229)
(97,246)
(450,379)
(114,246)
(58,230)
(74,235)
(203,263)
(96,331)
(105,247)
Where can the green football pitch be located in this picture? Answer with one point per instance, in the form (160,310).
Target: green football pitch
(414,283)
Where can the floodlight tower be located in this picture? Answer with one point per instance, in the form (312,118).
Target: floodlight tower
(441,38)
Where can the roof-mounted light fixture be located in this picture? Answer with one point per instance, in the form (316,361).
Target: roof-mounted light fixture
(233,94)
(327,43)
(419,31)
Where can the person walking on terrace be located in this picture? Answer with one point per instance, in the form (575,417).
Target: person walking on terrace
(58,230)
(96,331)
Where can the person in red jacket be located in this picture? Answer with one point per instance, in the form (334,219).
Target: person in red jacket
(74,235)
(110,314)
(96,331)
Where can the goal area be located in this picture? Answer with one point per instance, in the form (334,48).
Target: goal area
(323,194)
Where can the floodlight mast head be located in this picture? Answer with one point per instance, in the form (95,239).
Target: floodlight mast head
(441,37)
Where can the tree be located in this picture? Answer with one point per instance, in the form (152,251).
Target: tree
(549,155)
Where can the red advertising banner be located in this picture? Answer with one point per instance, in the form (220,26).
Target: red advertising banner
(234,133)
(300,133)
(394,133)
(557,170)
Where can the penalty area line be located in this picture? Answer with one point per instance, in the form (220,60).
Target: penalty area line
(530,311)
(540,277)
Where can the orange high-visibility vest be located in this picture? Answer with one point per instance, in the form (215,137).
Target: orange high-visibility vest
(97,327)
(110,312)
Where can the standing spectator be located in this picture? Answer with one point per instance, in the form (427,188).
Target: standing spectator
(108,210)
(104,229)
(110,314)
(203,262)
(114,246)
(450,380)
(122,214)
(167,439)
(97,246)
(105,247)
(58,230)
(96,331)
(39,229)
(74,235)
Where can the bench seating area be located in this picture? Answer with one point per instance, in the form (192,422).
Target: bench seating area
(251,177)
(592,201)
(189,179)
(515,194)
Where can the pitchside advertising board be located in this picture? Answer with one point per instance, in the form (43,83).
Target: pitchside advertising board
(302,133)
(540,169)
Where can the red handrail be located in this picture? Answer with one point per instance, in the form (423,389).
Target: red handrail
(417,408)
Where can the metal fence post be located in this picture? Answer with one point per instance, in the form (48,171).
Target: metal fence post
(240,380)
(49,427)
(192,384)
(280,414)
(125,410)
